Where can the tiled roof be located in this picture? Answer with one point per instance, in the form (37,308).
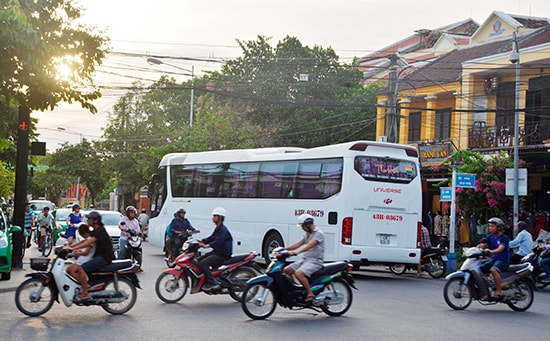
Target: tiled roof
(414,42)
(448,67)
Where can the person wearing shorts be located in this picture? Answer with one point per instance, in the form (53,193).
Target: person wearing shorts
(312,246)
(496,245)
(103,252)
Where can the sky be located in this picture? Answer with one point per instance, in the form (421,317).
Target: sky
(208,30)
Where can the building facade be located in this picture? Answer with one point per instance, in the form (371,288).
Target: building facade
(465,99)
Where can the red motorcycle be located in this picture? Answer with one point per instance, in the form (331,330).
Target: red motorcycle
(233,274)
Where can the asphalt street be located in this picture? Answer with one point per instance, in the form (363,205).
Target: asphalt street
(385,307)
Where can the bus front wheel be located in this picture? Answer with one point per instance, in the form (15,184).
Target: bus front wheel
(271,242)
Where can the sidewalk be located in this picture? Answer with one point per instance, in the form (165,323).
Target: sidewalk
(18,275)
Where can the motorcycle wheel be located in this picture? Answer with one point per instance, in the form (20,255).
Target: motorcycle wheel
(171,288)
(457,294)
(32,298)
(127,289)
(398,269)
(258,302)
(523,297)
(341,288)
(436,267)
(239,277)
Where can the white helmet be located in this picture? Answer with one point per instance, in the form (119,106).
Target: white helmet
(219,211)
(305,219)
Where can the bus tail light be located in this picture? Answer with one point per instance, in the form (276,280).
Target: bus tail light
(347,229)
(418,233)
(412,152)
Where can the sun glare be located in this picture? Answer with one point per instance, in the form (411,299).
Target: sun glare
(65,68)
(64,71)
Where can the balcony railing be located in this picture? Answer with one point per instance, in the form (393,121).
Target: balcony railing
(503,136)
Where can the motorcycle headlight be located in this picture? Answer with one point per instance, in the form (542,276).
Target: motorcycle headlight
(3,243)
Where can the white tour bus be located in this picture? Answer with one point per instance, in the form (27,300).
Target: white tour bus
(365,196)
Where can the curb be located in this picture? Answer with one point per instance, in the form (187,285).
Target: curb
(17,277)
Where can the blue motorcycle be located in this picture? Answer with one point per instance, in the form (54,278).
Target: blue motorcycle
(331,286)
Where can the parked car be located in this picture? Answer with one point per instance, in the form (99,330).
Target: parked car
(6,247)
(37,205)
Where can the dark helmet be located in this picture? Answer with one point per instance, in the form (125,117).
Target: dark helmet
(75,206)
(522,225)
(498,222)
(180,210)
(94,215)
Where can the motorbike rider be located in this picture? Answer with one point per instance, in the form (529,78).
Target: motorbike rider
(103,252)
(74,218)
(144,223)
(523,243)
(424,244)
(45,220)
(221,243)
(312,245)
(545,263)
(127,222)
(496,245)
(179,231)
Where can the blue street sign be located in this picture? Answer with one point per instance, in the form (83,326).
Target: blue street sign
(465,180)
(445,194)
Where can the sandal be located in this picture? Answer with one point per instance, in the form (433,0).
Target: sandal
(497,297)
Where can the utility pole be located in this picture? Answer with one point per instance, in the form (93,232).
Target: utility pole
(391,104)
(21,171)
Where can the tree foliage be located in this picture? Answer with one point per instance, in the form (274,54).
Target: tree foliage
(300,95)
(37,37)
(81,160)
(488,197)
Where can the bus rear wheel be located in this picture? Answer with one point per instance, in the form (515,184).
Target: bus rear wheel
(271,242)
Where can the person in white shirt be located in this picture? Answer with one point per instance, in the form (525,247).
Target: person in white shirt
(523,243)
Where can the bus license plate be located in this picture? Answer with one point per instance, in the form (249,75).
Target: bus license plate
(385,239)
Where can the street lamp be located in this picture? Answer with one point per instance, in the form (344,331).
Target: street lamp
(513,57)
(155,61)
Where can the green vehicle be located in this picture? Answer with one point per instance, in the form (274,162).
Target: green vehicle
(60,220)
(6,246)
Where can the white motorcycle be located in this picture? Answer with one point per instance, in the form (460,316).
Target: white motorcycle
(113,288)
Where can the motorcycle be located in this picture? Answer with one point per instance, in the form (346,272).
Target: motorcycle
(171,261)
(434,262)
(133,249)
(331,286)
(470,283)
(173,283)
(113,288)
(534,258)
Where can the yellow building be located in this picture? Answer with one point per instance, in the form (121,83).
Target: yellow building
(465,99)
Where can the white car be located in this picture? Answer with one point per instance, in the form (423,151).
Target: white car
(110,220)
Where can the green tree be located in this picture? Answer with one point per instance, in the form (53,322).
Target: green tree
(7,182)
(300,95)
(488,197)
(39,37)
(81,160)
